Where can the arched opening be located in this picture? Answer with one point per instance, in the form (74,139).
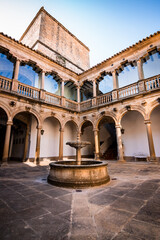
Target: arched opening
(49,147)
(87,134)
(128,74)
(70,90)
(151,64)
(107,138)
(23,137)
(7,62)
(29,74)
(134,135)
(86,90)
(3,121)
(70,134)
(155,119)
(52,84)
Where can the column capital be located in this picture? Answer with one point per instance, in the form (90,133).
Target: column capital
(9,122)
(95,130)
(39,127)
(61,129)
(147,121)
(118,126)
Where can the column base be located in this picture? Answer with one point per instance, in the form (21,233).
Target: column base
(153,159)
(121,161)
(4,164)
(96,156)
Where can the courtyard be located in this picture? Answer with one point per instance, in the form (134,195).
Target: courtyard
(128,207)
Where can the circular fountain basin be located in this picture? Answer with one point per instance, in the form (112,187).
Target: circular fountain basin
(67,174)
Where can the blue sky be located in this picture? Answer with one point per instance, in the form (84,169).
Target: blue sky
(105,26)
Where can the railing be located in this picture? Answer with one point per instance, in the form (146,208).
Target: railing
(86,105)
(52,99)
(5,83)
(142,86)
(28,91)
(71,104)
(106,98)
(152,83)
(128,90)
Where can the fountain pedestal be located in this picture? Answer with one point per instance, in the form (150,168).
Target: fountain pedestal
(78,174)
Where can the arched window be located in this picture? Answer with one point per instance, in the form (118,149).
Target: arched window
(28,76)
(6,66)
(106,85)
(128,76)
(51,85)
(152,66)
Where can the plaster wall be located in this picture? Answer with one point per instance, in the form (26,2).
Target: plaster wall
(70,134)
(88,135)
(155,119)
(134,139)
(50,139)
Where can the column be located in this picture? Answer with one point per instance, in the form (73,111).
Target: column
(94,89)
(140,69)
(61,144)
(150,140)
(119,144)
(16,70)
(78,94)
(15,77)
(6,143)
(62,88)
(42,91)
(37,154)
(96,140)
(26,144)
(115,80)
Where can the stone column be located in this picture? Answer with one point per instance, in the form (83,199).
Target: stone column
(115,80)
(94,89)
(119,144)
(15,77)
(78,94)
(42,79)
(6,143)
(96,140)
(150,140)
(42,91)
(62,88)
(61,144)
(140,69)
(37,154)
(26,144)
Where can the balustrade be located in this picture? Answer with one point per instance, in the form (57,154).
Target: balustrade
(71,104)
(106,98)
(152,83)
(128,90)
(53,99)
(86,105)
(5,83)
(28,91)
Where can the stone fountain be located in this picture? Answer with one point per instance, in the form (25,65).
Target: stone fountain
(79,173)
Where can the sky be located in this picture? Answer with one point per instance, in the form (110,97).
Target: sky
(105,26)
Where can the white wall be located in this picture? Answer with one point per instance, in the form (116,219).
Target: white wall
(155,119)
(135,135)
(50,139)
(70,134)
(88,135)
(33,137)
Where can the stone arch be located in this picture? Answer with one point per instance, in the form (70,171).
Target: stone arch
(32,111)
(130,108)
(100,117)
(6,109)
(153,105)
(71,120)
(49,115)
(81,124)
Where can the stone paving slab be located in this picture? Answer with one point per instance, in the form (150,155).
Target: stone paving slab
(126,208)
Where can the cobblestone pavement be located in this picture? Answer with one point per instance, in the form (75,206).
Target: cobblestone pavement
(126,208)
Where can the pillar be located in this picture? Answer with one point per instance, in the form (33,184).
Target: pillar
(96,140)
(16,70)
(42,79)
(119,144)
(150,140)
(26,144)
(115,80)
(37,154)
(78,94)
(6,143)
(94,89)
(140,69)
(42,91)
(61,144)
(62,88)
